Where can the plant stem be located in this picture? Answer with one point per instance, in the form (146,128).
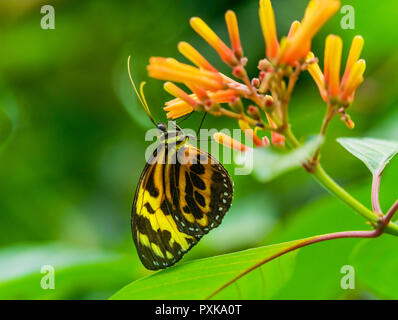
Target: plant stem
(343,195)
(330,112)
(286,98)
(242,116)
(330,185)
(391,212)
(375,193)
(291,138)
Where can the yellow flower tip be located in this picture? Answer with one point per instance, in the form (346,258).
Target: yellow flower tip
(310,56)
(316,74)
(233,30)
(177,108)
(172,70)
(293,29)
(243,125)
(179,93)
(355,78)
(213,40)
(353,56)
(333,50)
(267,20)
(229,142)
(316,15)
(194,56)
(350,124)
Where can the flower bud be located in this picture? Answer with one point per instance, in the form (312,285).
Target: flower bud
(236,105)
(239,72)
(255,82)
(253,112)
(264,64)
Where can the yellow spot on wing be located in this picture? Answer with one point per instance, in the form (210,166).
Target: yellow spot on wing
(156,249)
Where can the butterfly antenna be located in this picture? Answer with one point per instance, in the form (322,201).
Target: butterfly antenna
(184,118)
(201,123)
(140,94)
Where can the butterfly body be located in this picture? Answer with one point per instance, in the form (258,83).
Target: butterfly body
(182,194)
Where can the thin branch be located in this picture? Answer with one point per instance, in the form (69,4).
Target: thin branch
(330,112)
(326,120)
(286,97)
(242,116)
(375,193)
(391,213)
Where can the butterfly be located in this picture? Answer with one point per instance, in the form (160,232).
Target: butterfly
(183,193)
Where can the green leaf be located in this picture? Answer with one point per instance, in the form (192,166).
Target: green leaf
(198,279)
(375,262)
(75,269)
(268,164)
(375,153)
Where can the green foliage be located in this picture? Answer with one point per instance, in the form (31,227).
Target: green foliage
(76,270)
(201,278)
(375,153)
(371,255)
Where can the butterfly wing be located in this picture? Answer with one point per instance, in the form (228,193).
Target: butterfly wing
(157,238)
(201,191)
(181,195)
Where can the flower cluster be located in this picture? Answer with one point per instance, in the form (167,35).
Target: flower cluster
(339,94)
(268,94)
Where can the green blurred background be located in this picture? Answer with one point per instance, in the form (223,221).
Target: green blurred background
(72,144)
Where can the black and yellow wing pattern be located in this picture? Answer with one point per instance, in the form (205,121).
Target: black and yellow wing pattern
(177,202)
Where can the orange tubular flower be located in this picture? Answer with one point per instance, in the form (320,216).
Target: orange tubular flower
(267,20)
(229,142)
(333,49)
(329,82)
(170,69)
(233,30)
(353,56)
(212,39)
(318,77)
(354,79)
(316,14)
(178,107)
(194,56)
(179,93)
(293,29)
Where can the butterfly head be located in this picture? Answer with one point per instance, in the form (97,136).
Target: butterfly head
(171,135)
(162,127)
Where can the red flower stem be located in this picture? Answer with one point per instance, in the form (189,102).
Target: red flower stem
(391,213)
(375,193)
